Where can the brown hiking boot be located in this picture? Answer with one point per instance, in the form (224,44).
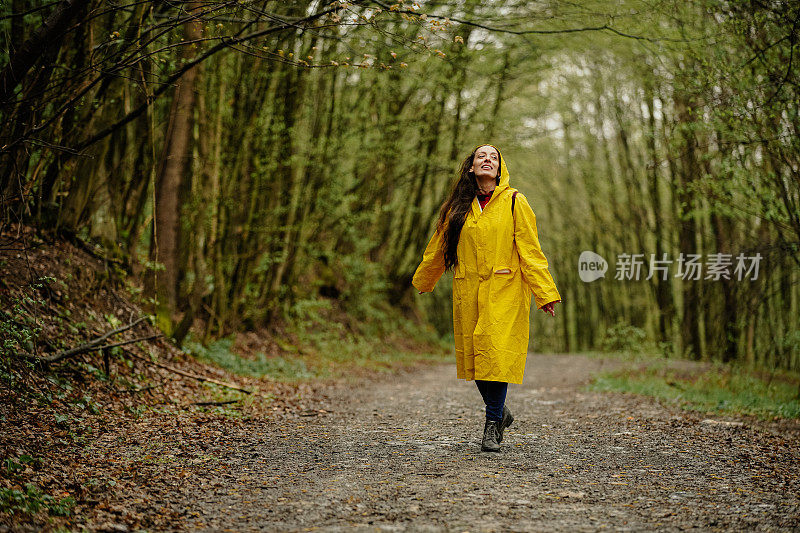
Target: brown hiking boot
(508,419)
(490,443)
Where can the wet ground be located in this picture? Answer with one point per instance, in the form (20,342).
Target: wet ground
(404,454)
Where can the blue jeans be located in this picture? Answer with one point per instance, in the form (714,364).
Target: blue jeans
(494,396)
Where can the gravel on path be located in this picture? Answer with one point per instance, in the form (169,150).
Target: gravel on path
(403,454)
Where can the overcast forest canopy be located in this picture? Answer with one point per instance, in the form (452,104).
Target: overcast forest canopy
(249,160)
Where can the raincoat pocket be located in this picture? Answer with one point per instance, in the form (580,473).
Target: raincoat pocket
(503,293)
(502,278)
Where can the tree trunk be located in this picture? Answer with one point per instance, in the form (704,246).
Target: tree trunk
(174,165)
(687,230)
(663,288)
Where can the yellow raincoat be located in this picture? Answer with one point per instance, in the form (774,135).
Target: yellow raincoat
(500,263)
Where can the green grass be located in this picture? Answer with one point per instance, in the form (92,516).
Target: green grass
(334,354)
(715,388)
(329,350)
(219,353)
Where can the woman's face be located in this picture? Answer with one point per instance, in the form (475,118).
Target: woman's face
(486,163)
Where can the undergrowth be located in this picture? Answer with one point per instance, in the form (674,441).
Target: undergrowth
(219,353)
(28,498)
(714,388)
(317,344)
(19,332)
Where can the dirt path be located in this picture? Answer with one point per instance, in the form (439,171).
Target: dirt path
(404,454)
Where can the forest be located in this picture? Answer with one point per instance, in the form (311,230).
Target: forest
(246,161)
(211,213)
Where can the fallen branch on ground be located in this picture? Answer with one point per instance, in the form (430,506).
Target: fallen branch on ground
(95,344)
(194,376)
(131,341)
(137,389)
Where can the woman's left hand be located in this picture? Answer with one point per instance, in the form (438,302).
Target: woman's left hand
(550,307)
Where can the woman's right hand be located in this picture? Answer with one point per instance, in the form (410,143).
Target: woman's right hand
(550,307)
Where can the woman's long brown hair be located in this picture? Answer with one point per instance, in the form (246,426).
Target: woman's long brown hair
(455,208)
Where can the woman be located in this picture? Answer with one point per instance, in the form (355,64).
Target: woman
(487,236)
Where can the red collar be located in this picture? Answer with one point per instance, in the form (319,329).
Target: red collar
(483,199)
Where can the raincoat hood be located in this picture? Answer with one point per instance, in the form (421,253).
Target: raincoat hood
(502,185)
